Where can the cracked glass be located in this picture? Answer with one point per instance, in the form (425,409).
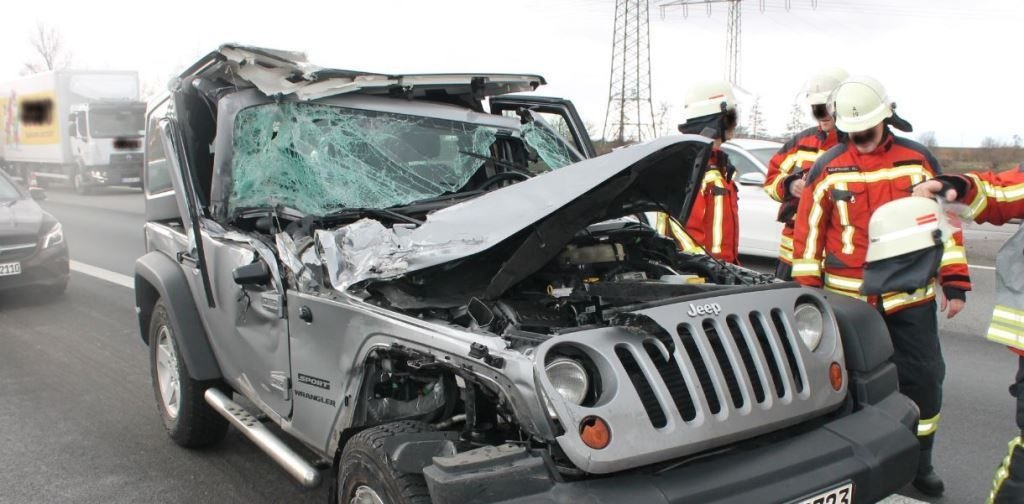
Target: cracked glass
(319,158)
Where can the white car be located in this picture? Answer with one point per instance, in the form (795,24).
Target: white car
(759,231)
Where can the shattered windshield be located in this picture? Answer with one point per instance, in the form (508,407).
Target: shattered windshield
(552,150)
(319,158)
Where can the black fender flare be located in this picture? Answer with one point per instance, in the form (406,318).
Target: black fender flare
(157,276)
(866,341)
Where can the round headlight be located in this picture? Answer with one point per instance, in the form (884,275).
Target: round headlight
(809,324)
(569,379)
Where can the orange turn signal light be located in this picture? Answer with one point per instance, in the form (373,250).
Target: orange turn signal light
(835,375)
(595,432)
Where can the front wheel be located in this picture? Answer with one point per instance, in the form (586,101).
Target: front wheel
(366,477)
(189,420)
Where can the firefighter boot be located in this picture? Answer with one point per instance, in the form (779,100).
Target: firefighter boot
(1008,485)
(927,481)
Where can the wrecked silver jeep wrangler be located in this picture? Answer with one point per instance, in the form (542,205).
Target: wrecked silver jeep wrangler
(442,292)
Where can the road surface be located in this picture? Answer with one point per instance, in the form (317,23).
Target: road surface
(80,423)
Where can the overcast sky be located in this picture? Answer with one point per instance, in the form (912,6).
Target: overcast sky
(954,67)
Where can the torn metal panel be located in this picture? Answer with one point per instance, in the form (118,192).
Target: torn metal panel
(367,249)
(282,73)
(320,158)
(292,256)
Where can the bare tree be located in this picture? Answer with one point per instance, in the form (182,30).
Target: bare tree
(50,50)
(796,121)
(927,139)
(757,128)
(663,119)
(994,152)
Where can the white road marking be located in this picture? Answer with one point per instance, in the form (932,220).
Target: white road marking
(975,266)
(103,274)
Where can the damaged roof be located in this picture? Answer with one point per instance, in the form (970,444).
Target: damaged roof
(282,73)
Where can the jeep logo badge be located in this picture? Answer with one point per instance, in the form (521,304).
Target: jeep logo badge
(704,309)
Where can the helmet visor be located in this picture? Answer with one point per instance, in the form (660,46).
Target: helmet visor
(821,112)
(903,273)
(866,137)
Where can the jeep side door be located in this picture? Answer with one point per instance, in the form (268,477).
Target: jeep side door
(557,113)
(245,320)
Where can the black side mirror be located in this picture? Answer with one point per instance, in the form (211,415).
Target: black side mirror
(37,193)
(252,274)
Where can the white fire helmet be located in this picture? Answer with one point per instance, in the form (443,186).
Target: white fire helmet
(818,89)
(709,98)
(906,225)
(860,103)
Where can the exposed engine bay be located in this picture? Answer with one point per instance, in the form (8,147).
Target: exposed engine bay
(610,268)
(607,269)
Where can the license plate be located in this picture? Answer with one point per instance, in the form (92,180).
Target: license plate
(130,179)
(8,269)
(839,495)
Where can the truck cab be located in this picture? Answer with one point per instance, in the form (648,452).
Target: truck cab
(106,144)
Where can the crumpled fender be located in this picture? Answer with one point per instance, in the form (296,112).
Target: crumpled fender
(159,277)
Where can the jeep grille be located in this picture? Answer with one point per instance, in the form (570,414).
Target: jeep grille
(675,384)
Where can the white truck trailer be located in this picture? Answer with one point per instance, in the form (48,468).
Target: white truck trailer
(84,127)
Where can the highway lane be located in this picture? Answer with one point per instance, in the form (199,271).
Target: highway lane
(81,424)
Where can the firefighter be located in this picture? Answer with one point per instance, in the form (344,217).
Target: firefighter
(844,187)
(998,198)
(788,167)
(713,224)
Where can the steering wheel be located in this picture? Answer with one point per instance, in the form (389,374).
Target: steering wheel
(505,176)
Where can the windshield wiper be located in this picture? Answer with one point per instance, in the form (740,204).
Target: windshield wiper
(372,212)
(8,202)
(435,201)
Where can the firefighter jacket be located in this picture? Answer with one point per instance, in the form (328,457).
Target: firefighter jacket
(998,198)
(843,188)
(791,162)
(714,219)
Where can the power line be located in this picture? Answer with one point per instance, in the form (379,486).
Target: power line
(630,113)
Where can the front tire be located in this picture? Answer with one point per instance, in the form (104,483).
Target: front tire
(189,420)
(365,476)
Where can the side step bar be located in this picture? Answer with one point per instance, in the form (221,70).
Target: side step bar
(244,421)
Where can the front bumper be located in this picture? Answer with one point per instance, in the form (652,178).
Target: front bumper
(874,448)
(113,174)
(44,268)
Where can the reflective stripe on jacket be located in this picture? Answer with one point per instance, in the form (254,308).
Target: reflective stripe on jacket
(998,198)
(795,156)
(843,189)
(714,220)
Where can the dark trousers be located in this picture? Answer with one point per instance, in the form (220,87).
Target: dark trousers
(783,271)
(919,364)
(1008,484)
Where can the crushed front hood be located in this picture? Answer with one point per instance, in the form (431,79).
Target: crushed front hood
(481,247)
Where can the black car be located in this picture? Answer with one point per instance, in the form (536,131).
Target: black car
(33,252)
